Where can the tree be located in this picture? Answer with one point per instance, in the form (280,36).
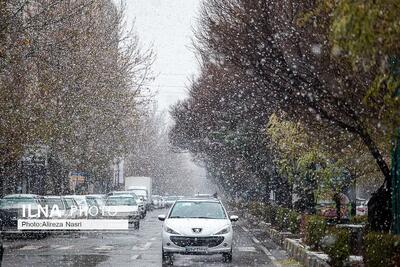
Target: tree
(77,80)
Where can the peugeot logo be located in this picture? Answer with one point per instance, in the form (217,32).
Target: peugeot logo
(197,230)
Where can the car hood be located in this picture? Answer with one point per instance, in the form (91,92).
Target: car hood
(208,226)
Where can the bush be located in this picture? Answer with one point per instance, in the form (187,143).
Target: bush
(381,250)
(287,219)
(256,208)
(272,211)
(281,220)
(294,222)
(337,246)
(315,229)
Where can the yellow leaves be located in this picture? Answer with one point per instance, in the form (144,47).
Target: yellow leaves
(383,95)
(366,29)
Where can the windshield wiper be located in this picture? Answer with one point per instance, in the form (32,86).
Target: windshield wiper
(175,217)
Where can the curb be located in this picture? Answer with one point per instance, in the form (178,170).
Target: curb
(304,256)
(279,237)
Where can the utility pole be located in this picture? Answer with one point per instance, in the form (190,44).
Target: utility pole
(395,170)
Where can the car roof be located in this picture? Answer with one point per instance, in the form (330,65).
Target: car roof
(122,195)
(20,195)
(193,199)
(117,193)
(75,196)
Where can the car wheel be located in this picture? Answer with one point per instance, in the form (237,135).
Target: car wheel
(227,256)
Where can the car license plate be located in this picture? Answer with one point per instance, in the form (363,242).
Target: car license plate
(196,249)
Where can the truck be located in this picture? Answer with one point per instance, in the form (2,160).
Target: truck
(142,187)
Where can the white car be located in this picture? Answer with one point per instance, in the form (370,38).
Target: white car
(197,226)
(139,201)
(122,207)
(83,206)
(65,211)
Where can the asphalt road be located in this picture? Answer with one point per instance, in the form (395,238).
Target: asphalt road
(131,248)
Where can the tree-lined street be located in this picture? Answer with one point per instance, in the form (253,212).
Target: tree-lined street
(132,248)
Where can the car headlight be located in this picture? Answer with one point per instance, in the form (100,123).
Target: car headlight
(224,231)
(170,231)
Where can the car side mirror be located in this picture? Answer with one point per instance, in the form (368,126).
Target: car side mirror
(161,217)
(233,218)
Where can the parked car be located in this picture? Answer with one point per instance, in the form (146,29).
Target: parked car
(158,202)
(140,202)
(99,198)
(11,209)
(123,207)
(361,207)
(66,211)
(197,226)
(83,206)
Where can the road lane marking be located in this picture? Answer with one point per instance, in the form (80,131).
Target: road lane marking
(244,229)
(154,238)
(64,248)
(30,247)
(145,247)
(104,248)
(247,249)
(266,251)
(255,240)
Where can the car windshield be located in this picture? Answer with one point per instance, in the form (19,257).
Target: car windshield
(201,209)
(69,203)
(139,192)
(125,193)
(80,201)
(51,202)
(92,201)
(121,201)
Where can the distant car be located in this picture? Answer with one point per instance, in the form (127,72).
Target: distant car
(123,207)
(99,198)
(141,204)
(83,206)
(65,210)
(11,209)
(362,207)
(96,204)
(170,200)
(158,202)
(197,226)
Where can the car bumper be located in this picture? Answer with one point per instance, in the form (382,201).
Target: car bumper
(207,245)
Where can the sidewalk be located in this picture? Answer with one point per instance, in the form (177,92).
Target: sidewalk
(257,232)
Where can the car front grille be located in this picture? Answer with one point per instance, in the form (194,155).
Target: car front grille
(209,241)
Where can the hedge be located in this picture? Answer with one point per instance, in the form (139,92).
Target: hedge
(315,230)
(337,245)
(381,250)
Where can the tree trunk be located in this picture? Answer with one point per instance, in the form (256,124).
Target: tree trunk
(366,138)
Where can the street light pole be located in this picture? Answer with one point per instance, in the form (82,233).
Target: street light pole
(395,170)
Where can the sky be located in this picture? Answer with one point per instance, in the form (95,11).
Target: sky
(167,26)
